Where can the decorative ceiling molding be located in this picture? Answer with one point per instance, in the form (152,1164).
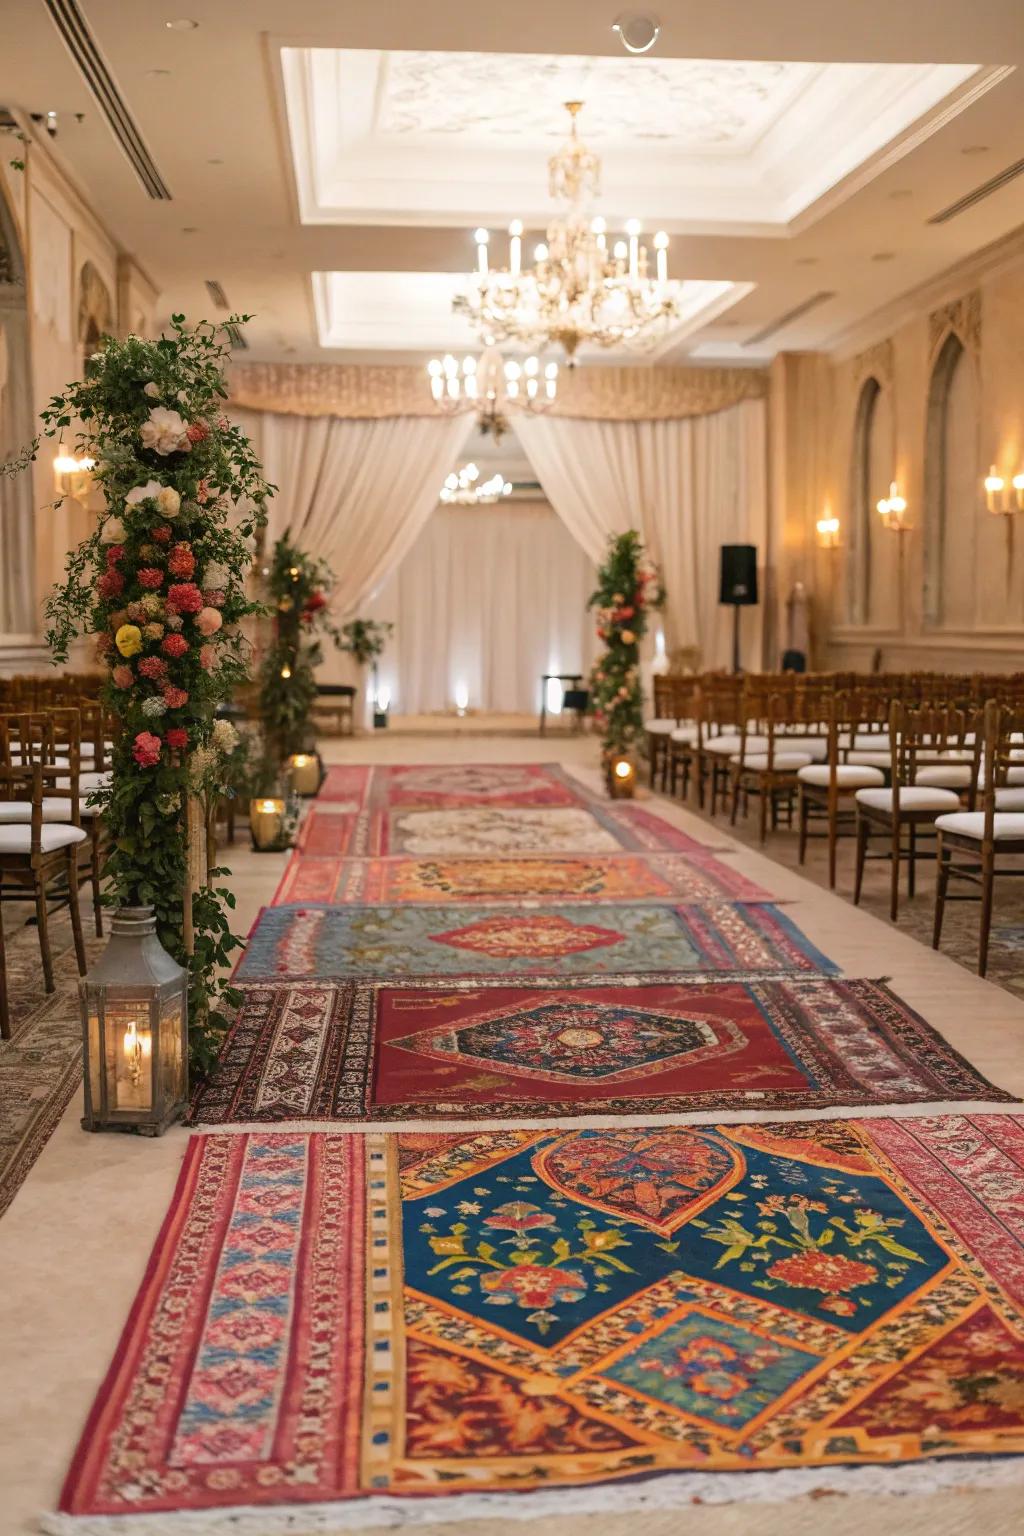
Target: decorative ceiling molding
(364,392)
(962,318)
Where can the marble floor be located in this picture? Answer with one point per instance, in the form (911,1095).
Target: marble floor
(74,1243)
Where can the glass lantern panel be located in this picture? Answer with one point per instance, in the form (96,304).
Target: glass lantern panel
(173,1087)
(95,1085)
(128,1038)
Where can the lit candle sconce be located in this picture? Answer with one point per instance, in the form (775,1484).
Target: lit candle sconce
(72,475)
(997,492)
(827,529)
(893,510)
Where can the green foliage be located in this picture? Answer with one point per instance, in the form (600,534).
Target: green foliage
(171,660)
(298,589)
(628,588)
(365,639)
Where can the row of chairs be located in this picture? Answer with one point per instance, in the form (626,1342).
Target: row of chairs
(836,749)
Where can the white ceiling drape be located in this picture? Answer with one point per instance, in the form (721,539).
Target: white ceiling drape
(688,486)
(357,493)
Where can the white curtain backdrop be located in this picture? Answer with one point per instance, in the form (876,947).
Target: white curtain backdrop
(687,486)
(489,598)
(357,493)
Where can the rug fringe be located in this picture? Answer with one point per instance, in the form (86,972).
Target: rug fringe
(672,1491)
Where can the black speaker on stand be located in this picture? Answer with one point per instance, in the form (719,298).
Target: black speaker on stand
(738,587)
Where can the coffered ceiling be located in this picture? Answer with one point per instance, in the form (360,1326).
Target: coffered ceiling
(798,154)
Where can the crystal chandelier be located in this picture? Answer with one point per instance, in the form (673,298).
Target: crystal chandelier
(578,291)
(462,489)
(493,387)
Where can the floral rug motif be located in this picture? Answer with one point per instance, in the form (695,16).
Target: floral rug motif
(535,1310)
(331,942)
(317,1051)
(698,878)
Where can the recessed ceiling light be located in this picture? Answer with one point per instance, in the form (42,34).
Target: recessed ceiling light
(807,261)
(883,256)
(181,24)
(974,149)
(190,229)
(900,194)
(152,74)
(215,161)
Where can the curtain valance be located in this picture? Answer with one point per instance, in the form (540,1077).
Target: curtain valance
(364,392)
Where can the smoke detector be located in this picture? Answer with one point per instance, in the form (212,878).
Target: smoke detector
(636,32)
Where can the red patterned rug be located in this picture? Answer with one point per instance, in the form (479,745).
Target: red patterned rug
(430,1050)
(332,1325)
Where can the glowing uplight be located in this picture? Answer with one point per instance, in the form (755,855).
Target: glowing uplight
(554,695)
(383,699)
(461,698)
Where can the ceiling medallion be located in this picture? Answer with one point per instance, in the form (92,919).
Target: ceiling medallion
(577,292)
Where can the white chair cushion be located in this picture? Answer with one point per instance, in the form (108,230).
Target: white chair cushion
(725,746)
(87,782)
(848,776)
(54,808)
(1014,776)
(759,760)
(53,762)
(939,775)
(912,798)
(685,734)
(19,839)
(870,759)
(1006,825)
(1010,799)
(660,727)
(865,741)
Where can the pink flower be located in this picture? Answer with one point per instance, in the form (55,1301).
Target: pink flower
(136,613)
(181,561)
(150,578)
(208,621)
(122,677)
(115,552)
(146,749)
(185,597)
(177,737)
(207,657)
(174,698)
(213,598)
(153,668)
(198,432)
(203,493)
(162,533)
(104,644)
(174,645)
(110,584)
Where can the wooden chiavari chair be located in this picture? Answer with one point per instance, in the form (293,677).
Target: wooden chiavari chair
(826,790)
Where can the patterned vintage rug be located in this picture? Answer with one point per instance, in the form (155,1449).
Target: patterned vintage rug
(699,878)
(364,1051)
(41,1065)
(332,942)
(334,1326)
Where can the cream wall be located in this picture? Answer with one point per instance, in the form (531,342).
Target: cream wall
(814,400)
(58,236)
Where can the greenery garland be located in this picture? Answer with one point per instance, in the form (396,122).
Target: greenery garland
(365,640)
(628,587)
(298,589)
(160,585)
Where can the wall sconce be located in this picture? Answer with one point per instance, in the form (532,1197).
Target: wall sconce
(892,509)
(72,476)
(827,529)
(997,493)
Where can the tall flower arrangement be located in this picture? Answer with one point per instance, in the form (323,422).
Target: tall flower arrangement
(160,587)
(298,590)
(365,640)
(628,588)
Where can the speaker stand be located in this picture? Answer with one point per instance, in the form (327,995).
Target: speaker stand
(736,611)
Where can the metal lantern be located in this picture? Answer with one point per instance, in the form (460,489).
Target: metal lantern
(135,1024)
(305,773)
(621,777)
(268,823)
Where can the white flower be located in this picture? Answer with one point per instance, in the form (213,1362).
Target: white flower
(181,397)
(174,621)
(112,531)
(202,762)
(225,737)
(169,501)
(148,492)
(216,576)
(154,707)
(152,390)
(165,431)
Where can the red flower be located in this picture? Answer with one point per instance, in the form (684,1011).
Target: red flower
(110,584)
(533,1285)
(820,1271)
(314,601)
(162,533)
(174,698)
(213,598)
(518,1216)
(115,552)
(184,598)
(153,668)
(181,561)
(146,750)
(150,578)
(198,431)
(177,737)
(174,645)
(625,613)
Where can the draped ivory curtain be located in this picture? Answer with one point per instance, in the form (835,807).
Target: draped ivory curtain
(488,598)
(688,486)
(356,493)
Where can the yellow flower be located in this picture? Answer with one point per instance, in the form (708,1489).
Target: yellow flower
(627,636)
(129,640)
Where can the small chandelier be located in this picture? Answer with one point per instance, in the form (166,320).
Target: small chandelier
(577,292)
(494,387)
(461,488)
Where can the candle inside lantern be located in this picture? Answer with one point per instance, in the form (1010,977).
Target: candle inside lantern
(266,822)
(304,769)
(134,1069)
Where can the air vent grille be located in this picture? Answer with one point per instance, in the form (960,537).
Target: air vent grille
(969,199)
(81,44)
(217,294)
(790,316)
